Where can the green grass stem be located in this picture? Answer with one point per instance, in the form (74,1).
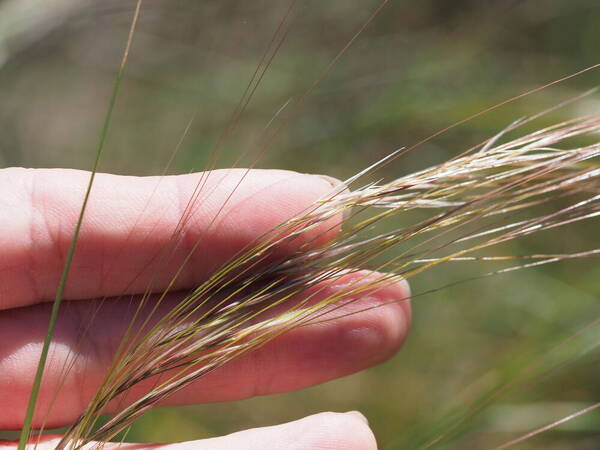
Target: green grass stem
(27,422)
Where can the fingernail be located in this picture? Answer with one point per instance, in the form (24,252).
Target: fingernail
(334,182)
(339,187)
(359,415)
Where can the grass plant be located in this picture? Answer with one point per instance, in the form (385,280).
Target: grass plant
(468,209)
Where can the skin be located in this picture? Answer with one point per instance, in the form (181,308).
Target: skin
(129,223)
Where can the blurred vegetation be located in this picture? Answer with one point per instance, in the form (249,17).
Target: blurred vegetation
(419,67)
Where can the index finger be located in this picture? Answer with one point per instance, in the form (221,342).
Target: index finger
(131,220)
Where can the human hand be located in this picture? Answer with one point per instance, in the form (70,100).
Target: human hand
(126,226)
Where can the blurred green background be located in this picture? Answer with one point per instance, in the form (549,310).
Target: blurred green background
(418,67)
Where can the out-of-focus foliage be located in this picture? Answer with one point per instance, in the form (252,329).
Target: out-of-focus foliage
(419,67)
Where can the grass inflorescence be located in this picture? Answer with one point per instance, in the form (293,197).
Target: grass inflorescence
(487,196)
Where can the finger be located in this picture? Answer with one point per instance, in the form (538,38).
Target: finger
(126,242)
(302,357)
(324,431)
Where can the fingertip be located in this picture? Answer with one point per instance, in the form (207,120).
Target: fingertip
(348,430)
(322,431)
(380,315)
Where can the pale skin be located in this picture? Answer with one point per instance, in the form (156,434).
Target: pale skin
(128,223)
